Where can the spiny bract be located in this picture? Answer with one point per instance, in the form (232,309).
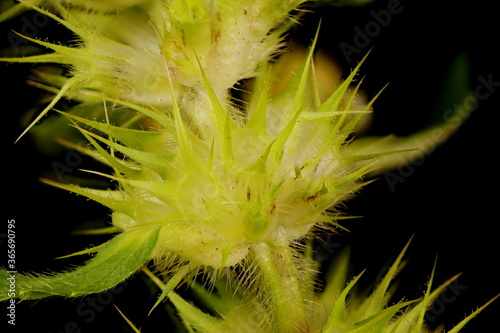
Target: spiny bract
(216,179)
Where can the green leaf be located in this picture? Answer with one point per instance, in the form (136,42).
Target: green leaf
(461,325)
(338,317)
(378,322)
(141,140)
(115,200)
(192,316)
(70,84)
(117,260)
(410,318)
(172,284)
(380,295)
(9,11)
(132,326)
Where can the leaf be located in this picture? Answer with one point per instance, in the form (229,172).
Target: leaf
(378,322)
(380,295)
(157,162)
(115,200)
(86,251)
(172,284)
(460,325)
(132,326)
(70,84)
(11,11)
(118,259)
(150,141)
(191,315)
(338,316)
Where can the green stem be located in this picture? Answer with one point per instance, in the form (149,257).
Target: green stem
(280,278)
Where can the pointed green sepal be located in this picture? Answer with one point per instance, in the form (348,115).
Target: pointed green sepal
(110,266)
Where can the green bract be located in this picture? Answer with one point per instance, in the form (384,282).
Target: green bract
(205,186)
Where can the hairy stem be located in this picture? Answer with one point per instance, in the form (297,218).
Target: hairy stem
(280,278)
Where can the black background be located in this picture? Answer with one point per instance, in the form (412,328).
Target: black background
(448,202)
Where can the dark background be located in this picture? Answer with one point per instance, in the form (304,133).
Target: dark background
(448,202)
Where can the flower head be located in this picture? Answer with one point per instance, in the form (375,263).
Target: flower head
(267,176)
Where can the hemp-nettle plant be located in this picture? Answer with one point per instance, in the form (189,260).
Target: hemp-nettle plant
(224,198)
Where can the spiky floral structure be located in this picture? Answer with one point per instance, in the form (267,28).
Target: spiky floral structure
(204,185)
